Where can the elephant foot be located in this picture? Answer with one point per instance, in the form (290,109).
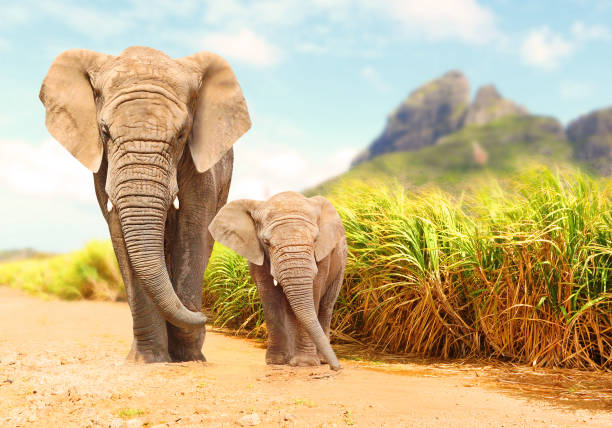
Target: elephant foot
(185,344)
(187,354)
(276,357)
(147,356)
(322,359)
(304,360)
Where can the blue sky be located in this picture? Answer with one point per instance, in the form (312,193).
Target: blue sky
(319,77)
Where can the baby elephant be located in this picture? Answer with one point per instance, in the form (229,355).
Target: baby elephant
(296,248)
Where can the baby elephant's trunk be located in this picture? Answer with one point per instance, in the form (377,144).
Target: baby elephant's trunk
(299,295)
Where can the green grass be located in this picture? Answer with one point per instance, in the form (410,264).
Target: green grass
(231,294)
(129,413)
(512,143)
(90,273)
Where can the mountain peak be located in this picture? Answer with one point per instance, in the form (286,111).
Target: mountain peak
(489,105)
(435,109)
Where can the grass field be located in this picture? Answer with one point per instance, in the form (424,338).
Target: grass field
(90,273)
(519,270)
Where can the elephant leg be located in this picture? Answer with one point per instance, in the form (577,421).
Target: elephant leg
(326,307)
(150,342)
(277,351)
(305,353)
(304,349)
(189,244)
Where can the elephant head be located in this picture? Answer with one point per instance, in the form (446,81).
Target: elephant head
(293,233)
(140,110)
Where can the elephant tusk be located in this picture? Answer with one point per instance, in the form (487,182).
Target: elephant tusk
(275,282)
(176,203)
(109,205)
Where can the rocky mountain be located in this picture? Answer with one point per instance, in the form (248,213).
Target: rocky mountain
(436,109)
(591,138)
(431,111)
(489,105)
(437,135)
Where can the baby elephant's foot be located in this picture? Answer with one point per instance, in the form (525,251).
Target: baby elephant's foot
(304,360)
(276,357)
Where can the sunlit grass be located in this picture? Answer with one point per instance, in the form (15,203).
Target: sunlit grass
(90,273)
(231,294)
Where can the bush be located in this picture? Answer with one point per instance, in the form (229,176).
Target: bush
(90,273)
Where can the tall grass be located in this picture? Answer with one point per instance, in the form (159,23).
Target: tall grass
(231,294)
(521,274)
(90,273)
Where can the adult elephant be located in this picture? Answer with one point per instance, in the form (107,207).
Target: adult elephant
(130,119)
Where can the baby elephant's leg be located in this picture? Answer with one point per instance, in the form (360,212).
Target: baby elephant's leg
(327,304)
(304,352)
(271,296)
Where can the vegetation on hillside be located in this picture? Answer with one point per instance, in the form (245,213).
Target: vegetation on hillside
(519,271)
(511,143)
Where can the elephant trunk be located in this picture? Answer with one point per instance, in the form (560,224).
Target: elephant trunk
(296,278)
(142,206)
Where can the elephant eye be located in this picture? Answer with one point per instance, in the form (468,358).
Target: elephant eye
(266,241)
(104,133)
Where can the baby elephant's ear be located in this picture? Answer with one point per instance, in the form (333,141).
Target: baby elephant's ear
(234,227)
(331,230)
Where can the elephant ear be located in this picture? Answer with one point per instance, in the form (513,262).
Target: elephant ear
(68,98)
(233,226)
(221,115)
(331,229)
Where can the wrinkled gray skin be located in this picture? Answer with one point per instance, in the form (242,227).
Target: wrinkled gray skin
(153,129)
(300,243)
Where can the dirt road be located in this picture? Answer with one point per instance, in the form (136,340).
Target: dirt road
(62,364)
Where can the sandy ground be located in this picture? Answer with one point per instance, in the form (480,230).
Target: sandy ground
(62,364)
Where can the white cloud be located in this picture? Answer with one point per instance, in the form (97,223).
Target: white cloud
(586,33)
(92,23)
(542,48)
(243,46)
(437,20)
(374,77)
(263,170)
(160,9)
(45,171)
(574,90)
